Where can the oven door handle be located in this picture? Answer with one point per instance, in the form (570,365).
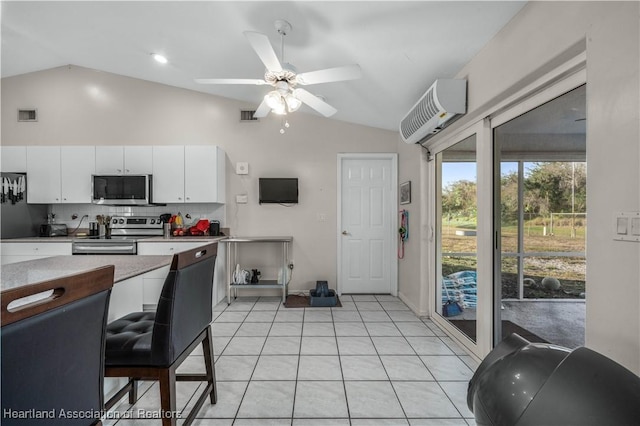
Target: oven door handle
(111,248)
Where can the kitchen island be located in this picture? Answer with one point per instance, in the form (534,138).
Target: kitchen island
(130,276)
(34,271)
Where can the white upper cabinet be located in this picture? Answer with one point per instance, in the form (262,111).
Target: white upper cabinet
(62,174)
(188,174)
(168,174)
(77,166)
(138,160)
(118,160)
(44,180)
(59,174)
(203,174)
(14,159)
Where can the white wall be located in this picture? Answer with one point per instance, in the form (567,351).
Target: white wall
(542,36)
(79,106)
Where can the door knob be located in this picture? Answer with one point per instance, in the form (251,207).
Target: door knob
(345,233)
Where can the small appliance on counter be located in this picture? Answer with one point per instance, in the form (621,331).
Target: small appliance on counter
(53,230)
(214,228)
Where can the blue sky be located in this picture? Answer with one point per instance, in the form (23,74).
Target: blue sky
(453,172)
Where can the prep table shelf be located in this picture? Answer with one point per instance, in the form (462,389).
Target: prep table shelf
(233,244)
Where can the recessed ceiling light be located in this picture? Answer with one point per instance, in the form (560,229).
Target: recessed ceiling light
(159,58)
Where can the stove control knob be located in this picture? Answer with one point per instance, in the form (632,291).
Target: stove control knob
(114,221)
(121,221)
(153,221)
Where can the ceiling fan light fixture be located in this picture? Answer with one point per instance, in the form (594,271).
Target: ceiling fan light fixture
(274,100)
(293,103)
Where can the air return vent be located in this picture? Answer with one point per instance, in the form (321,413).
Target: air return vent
(247,115)
(27,115)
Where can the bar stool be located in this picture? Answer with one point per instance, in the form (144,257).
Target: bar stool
(151,346)
(53,350)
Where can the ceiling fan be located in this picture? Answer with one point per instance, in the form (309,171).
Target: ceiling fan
(286,96)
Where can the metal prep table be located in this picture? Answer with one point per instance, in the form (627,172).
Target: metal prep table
(233,244)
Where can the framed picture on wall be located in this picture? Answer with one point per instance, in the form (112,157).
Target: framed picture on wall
(405,192)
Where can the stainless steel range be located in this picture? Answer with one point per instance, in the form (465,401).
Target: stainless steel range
(125,233)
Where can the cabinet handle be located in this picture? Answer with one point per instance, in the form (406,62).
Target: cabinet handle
(127,170)
(64,199)
(188,198)
(119,170)
(170,248)
(179,198)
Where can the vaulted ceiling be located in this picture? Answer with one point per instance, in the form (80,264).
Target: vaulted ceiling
(402,47)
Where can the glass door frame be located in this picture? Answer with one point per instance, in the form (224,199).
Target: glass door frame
(484,155)
(556,82)
(545,95)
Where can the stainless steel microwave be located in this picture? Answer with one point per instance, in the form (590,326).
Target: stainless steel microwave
(121,190)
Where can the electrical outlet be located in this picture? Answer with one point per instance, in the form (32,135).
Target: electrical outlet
(321,217)
(242,199)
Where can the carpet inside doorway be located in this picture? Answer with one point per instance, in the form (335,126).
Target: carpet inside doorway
(300,301)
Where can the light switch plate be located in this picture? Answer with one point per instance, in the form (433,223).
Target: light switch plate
(242,168)
(626,226)
(242,199)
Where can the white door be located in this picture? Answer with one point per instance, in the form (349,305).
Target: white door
(77,166)
(367,248)
(138,160)
(200,173)
(109,160)
(168,174)
(43,175)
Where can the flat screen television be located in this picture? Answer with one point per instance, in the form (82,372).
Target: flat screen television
(278,190)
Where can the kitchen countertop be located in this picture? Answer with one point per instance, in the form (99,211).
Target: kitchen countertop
(158,239)
(34,271)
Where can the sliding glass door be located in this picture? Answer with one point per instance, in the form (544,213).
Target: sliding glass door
(541,219)
(509,223)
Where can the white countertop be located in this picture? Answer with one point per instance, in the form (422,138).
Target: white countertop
(34,271)
(158,239)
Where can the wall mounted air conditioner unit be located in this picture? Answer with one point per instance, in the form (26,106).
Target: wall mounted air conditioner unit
(445,99)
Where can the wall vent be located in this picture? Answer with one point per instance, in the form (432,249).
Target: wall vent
(247,115)
(27,115)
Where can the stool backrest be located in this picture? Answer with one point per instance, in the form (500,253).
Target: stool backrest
(53,350)
(185,305)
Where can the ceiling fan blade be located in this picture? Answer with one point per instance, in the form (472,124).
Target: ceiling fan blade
(262,111)
(348,72)
(263,48)
(315,102)
(256,81)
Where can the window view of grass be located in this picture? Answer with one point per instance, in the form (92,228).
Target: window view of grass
(554,229)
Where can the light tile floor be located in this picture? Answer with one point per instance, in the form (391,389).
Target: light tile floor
(370,362)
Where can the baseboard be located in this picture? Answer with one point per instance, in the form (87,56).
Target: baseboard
(407,301)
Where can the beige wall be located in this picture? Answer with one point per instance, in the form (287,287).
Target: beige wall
(542,36)
(411,286)
(79,106)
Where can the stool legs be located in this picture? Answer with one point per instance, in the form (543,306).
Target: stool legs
(207,346)
(167,379)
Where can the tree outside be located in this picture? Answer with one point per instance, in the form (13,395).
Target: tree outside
(554,195)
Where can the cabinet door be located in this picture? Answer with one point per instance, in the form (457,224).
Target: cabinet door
(168,174)
(77,166)
(200,174)
(14,159)
(109,160)
(43,174)
(138,160)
